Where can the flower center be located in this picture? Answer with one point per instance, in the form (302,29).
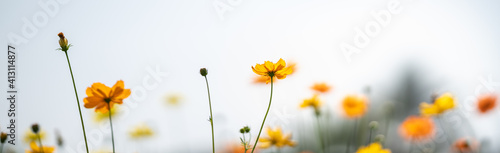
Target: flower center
(271,74)
(107,100)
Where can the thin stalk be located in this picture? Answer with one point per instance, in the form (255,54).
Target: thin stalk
(320,136)
(370,136)
(1,147)
(211,117)
(40,141)
(353,138)
(77,102)
(264,121)
(111,123)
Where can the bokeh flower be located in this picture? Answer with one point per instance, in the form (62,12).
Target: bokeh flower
(30,136)
(442,104)
(141,131)
(103,97)
(100,116)
(355,106)
(373,148)
(465,145)
(321,87)
(276,138)
(38,149)
(417,128)
(313,102)
(278,70)
(174,99)
(486,102)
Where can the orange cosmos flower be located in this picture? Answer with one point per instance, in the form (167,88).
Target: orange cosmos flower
(355,105)
(321,87)
(270,69)
(465,145)
(103,97)
(416,128)
(486,102)
(38,149)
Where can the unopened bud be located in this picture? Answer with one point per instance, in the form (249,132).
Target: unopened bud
(63,42)
(203,72)
(373,125)
(3,137)
(35,128)
(379,138)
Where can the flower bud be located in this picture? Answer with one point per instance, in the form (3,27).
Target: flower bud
(203,72)
(373,125)
(63,42)
(247,129)
(3,137)
(242,130)
(35,128)
(379,138)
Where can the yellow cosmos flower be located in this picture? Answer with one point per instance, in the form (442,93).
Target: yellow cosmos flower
(29,136)
(314,102)
(441,104)
(174,99)
(141,131)
(355,105)
(373,148)
(416,128)
(276,138)
(38,149)
(278,70)
(321,87)
(103,97)
(99,116)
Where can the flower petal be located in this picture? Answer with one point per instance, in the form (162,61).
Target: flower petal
(91,102)
(279,65)
(269,66)
(117,89)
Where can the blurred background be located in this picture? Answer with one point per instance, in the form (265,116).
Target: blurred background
(157,48)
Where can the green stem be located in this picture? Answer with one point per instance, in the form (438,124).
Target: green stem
(370,136)
(111,123)
(211,116)
(353,136)
(40,141)
(1,147)
(244,142)
(77,102)
(264,121)
(320,136)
